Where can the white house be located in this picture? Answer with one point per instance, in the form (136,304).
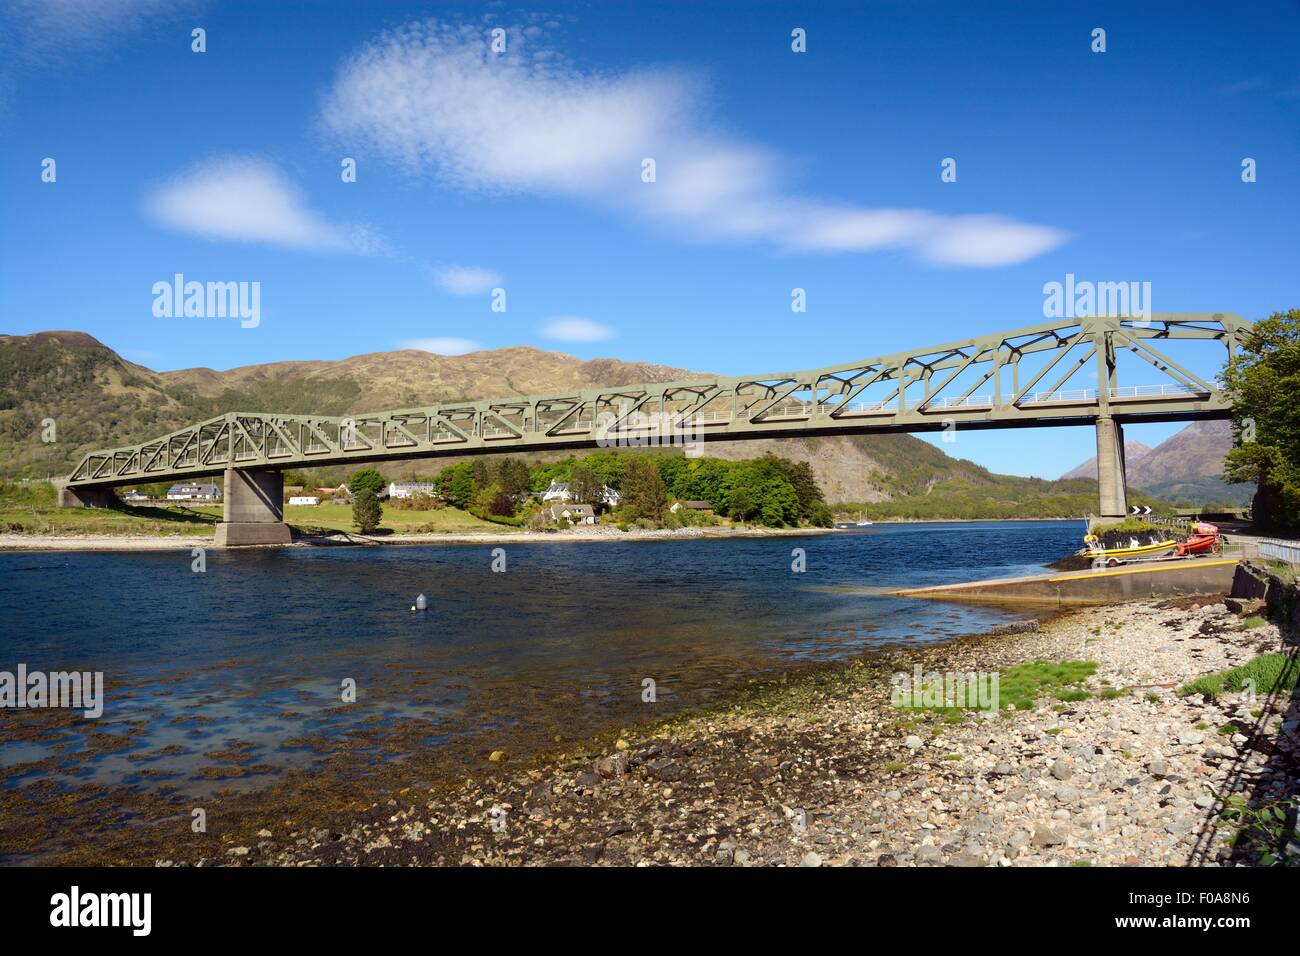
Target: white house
(304,500)
(134,495)
(409,489)
(188,492)
(578,514)
(559,491)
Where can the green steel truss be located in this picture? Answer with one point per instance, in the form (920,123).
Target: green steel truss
(974,383)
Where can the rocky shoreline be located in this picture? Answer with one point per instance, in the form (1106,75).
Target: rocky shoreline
(823,769)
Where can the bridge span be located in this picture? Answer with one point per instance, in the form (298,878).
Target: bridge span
(1065,372)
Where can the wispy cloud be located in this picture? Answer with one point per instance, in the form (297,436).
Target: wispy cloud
(44,36)
(573,328)
(443,346)
(249,200)
(40,29)
(467,280)
(434,98)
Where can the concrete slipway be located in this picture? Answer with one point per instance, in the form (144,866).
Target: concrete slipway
(1094,586)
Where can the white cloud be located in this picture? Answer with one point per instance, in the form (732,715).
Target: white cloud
(572,328)
(249,200)
(467,280)
(433,98)
(446,346)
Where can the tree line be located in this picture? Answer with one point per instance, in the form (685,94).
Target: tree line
(770,491)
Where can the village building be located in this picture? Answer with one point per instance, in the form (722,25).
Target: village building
(559,491)
(192,492)
(574,513)
(410,489)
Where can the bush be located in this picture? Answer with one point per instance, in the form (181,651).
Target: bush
(366,512)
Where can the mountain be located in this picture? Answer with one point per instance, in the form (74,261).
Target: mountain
(1186,468)
(1133,451)
(97,399)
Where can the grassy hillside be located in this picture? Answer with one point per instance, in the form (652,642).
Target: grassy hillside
(998,496)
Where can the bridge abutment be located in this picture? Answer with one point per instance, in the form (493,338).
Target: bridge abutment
(253,512)
(85,497)
(1112,499)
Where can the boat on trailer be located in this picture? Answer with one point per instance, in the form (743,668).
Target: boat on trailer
(1203,539)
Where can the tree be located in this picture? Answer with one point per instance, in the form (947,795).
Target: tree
(513,477)
(1263,382)
(643,494)
(366,511)
(456,484)
(800,476)
(584,488)
(367,479)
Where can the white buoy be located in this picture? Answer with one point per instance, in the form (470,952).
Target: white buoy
(421,603)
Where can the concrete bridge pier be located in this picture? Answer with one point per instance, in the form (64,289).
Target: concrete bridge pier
(1113,500)
(85,497)
(254,509)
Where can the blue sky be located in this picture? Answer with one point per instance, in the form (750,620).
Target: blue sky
(521,170)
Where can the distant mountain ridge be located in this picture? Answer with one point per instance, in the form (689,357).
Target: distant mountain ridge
(1187,465)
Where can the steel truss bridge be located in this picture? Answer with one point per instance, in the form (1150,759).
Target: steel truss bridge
(1003,380)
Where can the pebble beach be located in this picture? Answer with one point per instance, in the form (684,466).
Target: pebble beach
(821,768)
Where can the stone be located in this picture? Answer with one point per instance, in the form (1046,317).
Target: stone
(912,742)
(1189,738)
(1061,770)
(1047,836)
(811,859)
(612,766)
(928,854)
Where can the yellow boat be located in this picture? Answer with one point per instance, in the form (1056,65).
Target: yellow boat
(1094,549)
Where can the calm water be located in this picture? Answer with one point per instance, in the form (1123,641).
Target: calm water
(253,652)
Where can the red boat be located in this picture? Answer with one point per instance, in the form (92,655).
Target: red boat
(1204,539)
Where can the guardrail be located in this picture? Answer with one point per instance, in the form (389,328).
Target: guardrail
(1286,551)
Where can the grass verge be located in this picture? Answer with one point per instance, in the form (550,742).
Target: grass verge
(1273,672)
